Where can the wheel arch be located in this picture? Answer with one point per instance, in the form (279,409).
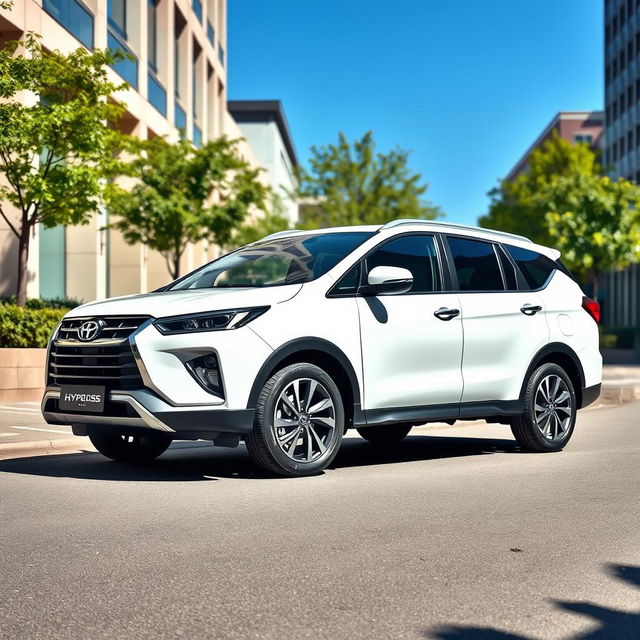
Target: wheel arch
(565,357)
(323,354)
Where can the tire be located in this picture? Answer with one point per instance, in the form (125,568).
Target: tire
(550,409)
(287,439)
(123,448)
(385,435)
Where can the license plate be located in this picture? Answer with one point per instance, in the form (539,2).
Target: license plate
(81,398)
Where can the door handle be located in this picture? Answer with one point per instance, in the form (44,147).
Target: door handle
(446,314)
(530,309)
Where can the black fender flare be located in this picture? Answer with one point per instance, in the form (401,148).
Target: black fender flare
(300,345)
(548,350)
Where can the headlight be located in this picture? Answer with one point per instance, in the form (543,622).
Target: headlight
(209,321)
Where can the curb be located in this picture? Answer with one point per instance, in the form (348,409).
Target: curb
(44,447)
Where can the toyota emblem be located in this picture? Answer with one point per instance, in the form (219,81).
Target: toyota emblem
(89,330)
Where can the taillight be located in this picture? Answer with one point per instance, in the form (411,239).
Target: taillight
(592,308)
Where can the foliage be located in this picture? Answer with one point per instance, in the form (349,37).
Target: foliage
(56,150)
(258,227)
(353,184)
(42,303)
(594,222)
(517,207)
(564,199)
(173,201)
(23,327)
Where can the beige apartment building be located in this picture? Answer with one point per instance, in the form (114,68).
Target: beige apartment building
(178,82)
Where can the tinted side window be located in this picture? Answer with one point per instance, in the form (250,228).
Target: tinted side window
(349,282)
(535,267)
(476,265)
(416,253)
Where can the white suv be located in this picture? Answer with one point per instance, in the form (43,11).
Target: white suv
(289,341)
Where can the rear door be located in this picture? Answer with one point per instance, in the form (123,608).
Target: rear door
(503,327)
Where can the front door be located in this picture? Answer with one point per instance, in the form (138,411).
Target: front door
(411,358)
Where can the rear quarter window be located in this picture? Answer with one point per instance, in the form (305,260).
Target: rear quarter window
(535,267)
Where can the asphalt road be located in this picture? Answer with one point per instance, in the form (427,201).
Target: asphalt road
(455,534)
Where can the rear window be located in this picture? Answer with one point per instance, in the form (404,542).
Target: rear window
(535,267)
(476,265)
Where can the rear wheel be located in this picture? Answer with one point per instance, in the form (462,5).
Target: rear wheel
(299,422)
(388,434)
(550,409)
(126,448)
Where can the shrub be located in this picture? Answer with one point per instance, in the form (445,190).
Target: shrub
(44,303)
(24,327)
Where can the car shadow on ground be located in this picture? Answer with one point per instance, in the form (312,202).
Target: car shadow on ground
(612,624)
(185,462)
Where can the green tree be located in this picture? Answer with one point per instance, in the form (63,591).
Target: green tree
(353,184)
(257,227)
(183,195)
(516,206)
(54,150)
(595,222)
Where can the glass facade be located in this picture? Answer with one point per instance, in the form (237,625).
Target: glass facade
(180,118)
(197,8)
(126,68)
(74,17)
(52,262)
(157,95)
(197,135)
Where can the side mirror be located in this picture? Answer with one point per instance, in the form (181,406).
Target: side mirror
(387,281)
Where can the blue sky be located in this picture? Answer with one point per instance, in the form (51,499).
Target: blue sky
(465,85)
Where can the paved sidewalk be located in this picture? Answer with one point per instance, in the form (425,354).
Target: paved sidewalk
(620,383)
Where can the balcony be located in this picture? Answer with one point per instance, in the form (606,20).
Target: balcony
(74,17)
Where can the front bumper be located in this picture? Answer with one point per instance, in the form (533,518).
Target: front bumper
(142,409)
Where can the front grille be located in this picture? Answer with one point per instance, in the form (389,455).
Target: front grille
(106,361)
(114,327)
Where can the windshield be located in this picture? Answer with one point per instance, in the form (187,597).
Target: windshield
(286,260)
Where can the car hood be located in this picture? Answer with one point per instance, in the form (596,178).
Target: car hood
(174,303)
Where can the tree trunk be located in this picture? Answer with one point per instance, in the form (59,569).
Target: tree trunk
(176,266)
(23,263)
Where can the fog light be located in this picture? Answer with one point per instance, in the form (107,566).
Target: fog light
(206,371)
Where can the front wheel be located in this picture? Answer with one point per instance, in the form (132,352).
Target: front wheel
(299,422)
(550,409)
(127,448)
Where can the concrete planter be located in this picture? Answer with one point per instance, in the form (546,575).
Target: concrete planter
(22,374)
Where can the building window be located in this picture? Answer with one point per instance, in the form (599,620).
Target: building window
(221,54)
(630,97)
(126,68)
(621,145)
(196,5)
(585,138)
(152,33)
(637,135)
(73,16)
(615,110)
(180,119)
(197,135)
(630,140)
(156,94)
(615,68)
(211,35)
(117,16)
(622,101)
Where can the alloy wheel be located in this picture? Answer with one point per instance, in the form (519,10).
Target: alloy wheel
(304,420)
(552,407)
